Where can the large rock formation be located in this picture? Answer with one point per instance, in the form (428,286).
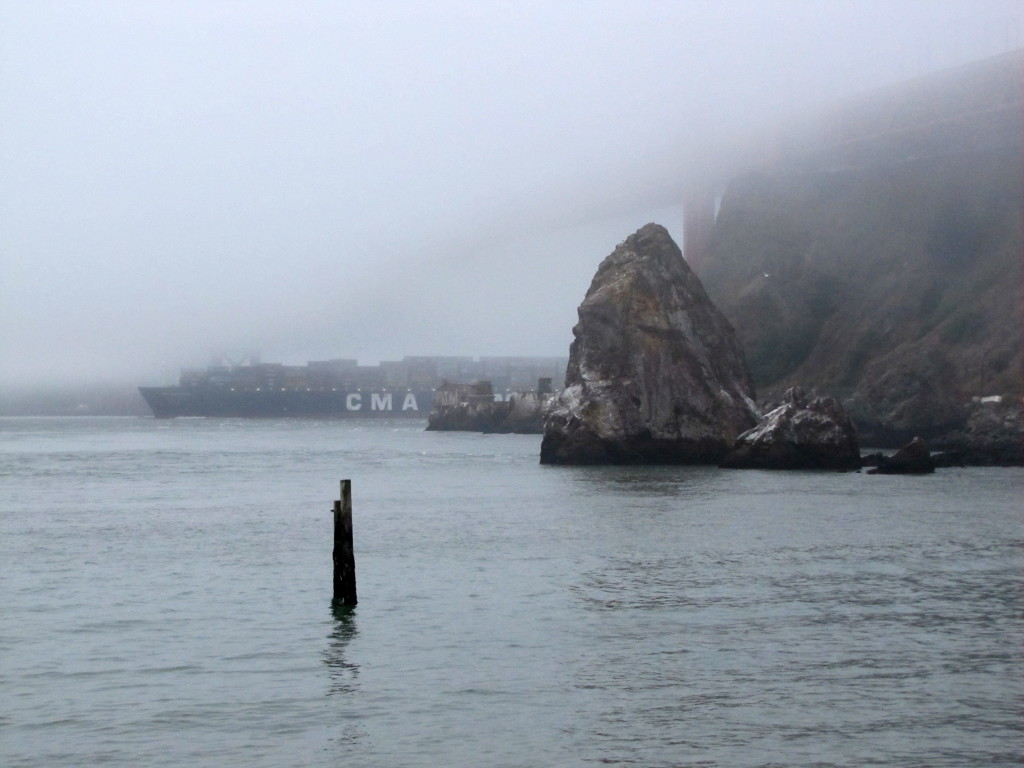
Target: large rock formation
(655,373)
(802,433)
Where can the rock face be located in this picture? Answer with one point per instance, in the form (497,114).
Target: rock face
(656,374)
(914,458)
(901,400)
(802,433)
(992,436)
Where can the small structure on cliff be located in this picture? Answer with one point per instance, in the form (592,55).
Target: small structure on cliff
(656,374)
(473,408)
(802,433)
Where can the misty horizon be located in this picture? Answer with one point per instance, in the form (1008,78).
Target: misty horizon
(315,180)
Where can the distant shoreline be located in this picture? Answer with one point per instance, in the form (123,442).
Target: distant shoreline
(73,400)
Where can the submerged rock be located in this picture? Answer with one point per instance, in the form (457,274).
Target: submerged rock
(656,374)
(912,459)
(802,433)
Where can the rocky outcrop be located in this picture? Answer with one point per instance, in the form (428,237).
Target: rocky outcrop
(914,458)
(525,415)
(473,408)
(522,414)
(802,433)
(656,374)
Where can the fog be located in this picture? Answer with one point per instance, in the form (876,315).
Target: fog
(310,180)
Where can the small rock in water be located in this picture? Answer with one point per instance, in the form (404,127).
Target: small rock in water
(914,458)
(802,433)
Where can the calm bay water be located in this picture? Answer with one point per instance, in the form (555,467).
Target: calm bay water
(166,602)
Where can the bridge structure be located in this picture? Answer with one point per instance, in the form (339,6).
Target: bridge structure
(975,107)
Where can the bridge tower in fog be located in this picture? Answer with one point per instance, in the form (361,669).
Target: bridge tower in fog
(698,225)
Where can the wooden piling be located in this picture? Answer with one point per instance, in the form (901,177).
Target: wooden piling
(344,554)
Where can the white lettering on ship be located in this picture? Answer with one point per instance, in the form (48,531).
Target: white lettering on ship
(354,401)
(380,402)
(409,404)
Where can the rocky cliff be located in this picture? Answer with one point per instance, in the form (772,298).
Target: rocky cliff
(656,374)
(895,286)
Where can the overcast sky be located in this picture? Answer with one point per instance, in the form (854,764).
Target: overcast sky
(377,179)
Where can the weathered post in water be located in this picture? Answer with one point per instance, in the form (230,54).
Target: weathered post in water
(344,554)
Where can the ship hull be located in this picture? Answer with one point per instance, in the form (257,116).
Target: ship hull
(171,402)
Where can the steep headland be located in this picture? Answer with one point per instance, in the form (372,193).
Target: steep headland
(895,286)
(876,257)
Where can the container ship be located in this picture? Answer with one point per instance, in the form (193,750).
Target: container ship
(334,388)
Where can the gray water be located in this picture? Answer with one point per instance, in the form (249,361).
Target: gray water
(166,601)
